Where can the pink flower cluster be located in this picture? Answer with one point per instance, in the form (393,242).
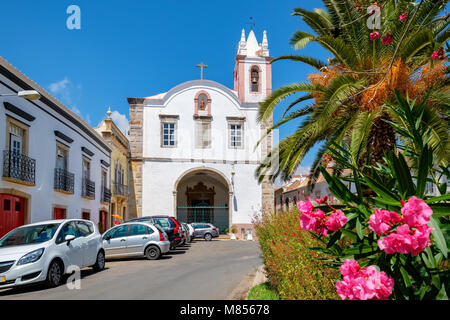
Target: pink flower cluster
(363,284)
(317,221)
(407,234)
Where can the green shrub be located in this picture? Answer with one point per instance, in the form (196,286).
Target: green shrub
(262,291)
(293,270)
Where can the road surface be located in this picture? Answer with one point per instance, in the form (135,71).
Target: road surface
(199,271)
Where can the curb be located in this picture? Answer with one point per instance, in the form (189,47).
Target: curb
(254,278)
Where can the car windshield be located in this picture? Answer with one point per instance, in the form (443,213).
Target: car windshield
(29,235)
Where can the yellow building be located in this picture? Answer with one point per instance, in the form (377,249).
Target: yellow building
(120,155)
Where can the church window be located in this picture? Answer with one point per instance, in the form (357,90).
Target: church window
(203,134)
(254,79)
(168,138)
(236,136)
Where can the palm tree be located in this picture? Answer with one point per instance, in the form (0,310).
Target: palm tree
(350,92)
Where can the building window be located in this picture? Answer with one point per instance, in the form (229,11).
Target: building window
(168,134)
(236,135)
(254,77)
(62,156)
(203,134)
(86,171)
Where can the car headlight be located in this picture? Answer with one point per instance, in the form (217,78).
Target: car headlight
(31,257)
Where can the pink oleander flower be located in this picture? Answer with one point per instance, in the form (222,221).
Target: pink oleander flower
(387,39)
(435,55)
(307,221)
(403,16)
(405,240)
(305,206)
(374,35)
(363,284)
(349,268)
(336,221)
(416,212)
(381,221)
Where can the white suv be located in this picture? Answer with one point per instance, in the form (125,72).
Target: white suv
(44,251)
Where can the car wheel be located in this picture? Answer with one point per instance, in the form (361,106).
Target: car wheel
(152,253)
(100,263)
(208,237)
(54,274)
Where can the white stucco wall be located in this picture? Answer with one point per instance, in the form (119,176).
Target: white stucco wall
(42,148)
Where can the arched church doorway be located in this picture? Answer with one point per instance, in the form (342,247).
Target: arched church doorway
(203,195)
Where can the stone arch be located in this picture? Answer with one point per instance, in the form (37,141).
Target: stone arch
(212,185)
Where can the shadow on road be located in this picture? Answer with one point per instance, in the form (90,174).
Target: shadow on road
(35,287)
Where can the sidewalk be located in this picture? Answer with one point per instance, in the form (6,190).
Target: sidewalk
(254,278)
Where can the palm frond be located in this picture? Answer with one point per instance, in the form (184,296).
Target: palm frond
(267,106)
(313,62)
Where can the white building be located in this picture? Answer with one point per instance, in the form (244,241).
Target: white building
(53,164)
(193,148)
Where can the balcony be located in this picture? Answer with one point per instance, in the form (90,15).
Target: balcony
(120,190)
(19,168)
(106,195)
(88,189)
(64,181)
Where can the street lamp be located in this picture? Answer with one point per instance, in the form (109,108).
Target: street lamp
(26,94)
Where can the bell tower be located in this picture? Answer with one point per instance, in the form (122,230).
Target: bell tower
(253,71)
(253,83)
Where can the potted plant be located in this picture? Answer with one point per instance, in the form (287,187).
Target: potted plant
(233,232)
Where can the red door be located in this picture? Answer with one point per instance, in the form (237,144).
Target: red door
(12,213)
(59,213)
(103,217)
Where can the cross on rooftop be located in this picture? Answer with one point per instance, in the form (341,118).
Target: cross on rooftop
(201,66)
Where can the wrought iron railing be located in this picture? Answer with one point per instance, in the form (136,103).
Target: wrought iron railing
(120,189)
(64,180)
(217,215)
(18,166)
(106,195)
(88,188)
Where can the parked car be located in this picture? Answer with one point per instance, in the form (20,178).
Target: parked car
(206,231)
(44,251)
(169,224)
(191,231)
(186,233)
(136,239)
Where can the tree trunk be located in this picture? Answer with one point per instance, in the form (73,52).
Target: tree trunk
(381,142)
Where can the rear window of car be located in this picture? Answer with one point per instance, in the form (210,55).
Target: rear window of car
(163,222)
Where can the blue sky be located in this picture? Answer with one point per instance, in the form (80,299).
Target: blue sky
(139,48)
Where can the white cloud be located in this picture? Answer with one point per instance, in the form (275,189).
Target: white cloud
(58,87)
(68,93)
(121,122)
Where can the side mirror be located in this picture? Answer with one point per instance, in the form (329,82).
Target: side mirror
(108,237)
(69,238)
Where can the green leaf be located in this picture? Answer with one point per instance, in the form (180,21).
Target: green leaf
(359,229)
(406,277)
(424,167)
(438,236)
(334,238)
(381,191)
(444,197)
(440,209)
(442,295)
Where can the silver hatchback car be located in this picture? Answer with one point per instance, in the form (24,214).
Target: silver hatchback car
(136,239)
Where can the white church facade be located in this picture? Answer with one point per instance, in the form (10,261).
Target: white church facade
(193,152)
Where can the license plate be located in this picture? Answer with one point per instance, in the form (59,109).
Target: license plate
(2,279)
